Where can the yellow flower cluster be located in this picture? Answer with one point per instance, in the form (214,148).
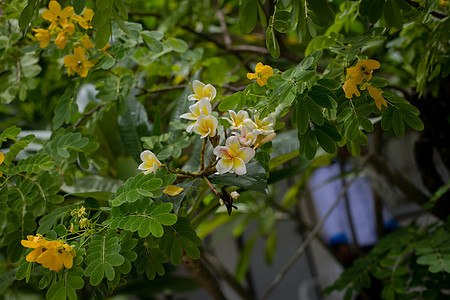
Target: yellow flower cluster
(356,75)
(52,255)
(62,27)
(262,73)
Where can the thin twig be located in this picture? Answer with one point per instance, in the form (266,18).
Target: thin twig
(164,89)
(202,154)
(308,240)
(85,115)
(223,25)
(433,13)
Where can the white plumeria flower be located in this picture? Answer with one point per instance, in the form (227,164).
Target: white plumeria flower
(150,162)
(205,126)
(237,120)
(263,139)
(264,126)
(233,156)
(202,107)
(247,137)
(201,91)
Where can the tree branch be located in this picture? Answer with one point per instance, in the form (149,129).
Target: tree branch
(433,13)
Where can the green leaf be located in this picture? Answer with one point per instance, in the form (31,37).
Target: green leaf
(314,111)
(386,121)
(153,44)
(230,102)
(78,6)
(366,124)
(272,43)
(412,120)
(322,96)
(103,33)
(9,133)
(144,229)
(325,141)
(27,14)
(177,45)
(254,179)
(397,123)
(310,145)
(156,228)
(392,14)
(120,21)
(372,9)
(322,10)
(248,15)
(120,5)
(57,291)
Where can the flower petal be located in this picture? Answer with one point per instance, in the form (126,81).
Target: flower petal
(198,86)
(221,151)
(224,165)
(245,153)
(239,166)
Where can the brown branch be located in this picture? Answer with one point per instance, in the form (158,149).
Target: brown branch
(164,89)
(433,13)
(85,115)
(216,266)
(223,25)
(201,273)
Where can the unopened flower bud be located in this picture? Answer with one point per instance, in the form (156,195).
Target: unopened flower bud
(234,195)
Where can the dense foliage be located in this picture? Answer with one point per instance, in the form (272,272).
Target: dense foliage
(94,92)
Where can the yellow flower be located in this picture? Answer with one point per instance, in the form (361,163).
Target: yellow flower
(85,21)
(57,256)
(172,190)
(150,162)
(233,157)
(86,42)
(264,126)
(376,95)
(43,36)
(55,15)
(201,91)
(363,69)
(52,255)
(78,63)
(205,126)
(350,88)
(261,74)
(63,35)
(2,158)
(202,107)
(237,120)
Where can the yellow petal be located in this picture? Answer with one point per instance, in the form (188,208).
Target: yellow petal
(267,71)
(67,12)
(251,76)
(172,190)
(370,64)
(262,81)
(88,14)
(2,157)
(259,67)
(54,7)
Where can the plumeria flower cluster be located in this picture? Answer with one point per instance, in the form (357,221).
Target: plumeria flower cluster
(63,28)
(246,133)
(52,255)
(359,73)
